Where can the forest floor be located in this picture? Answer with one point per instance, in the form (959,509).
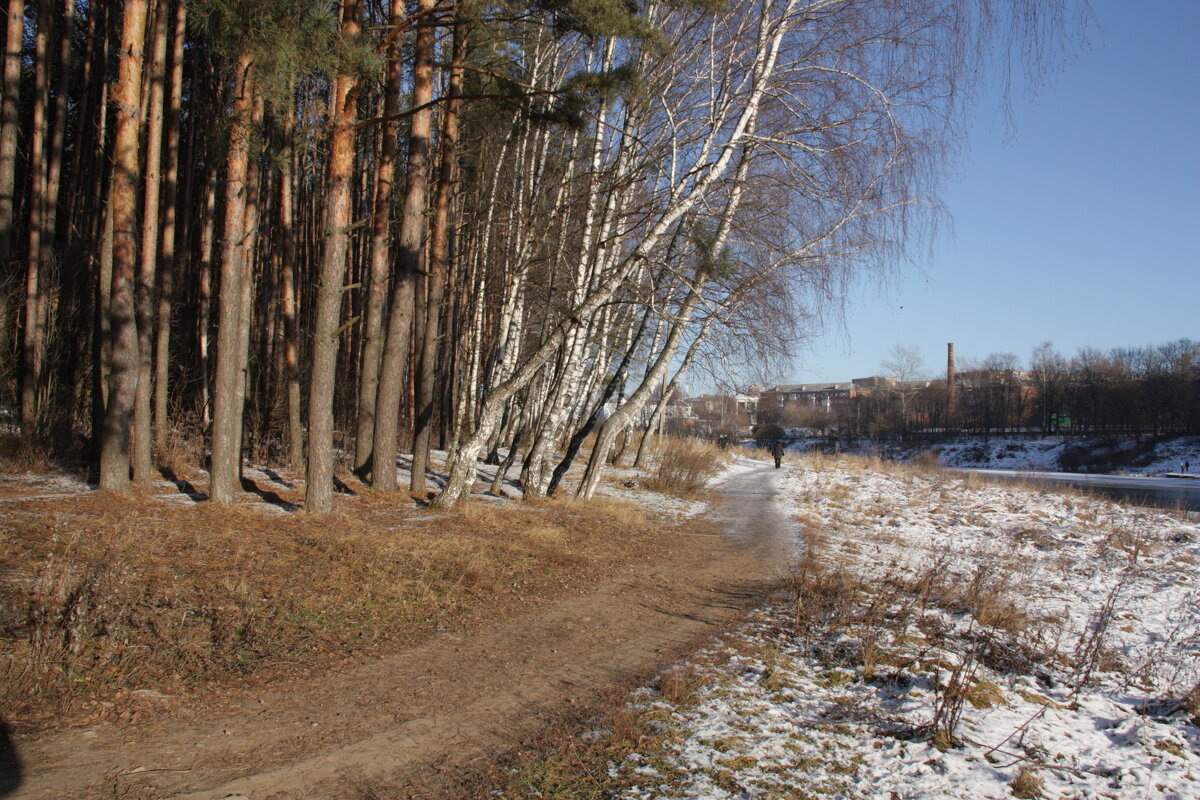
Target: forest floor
(156,647)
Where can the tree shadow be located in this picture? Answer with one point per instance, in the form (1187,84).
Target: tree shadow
(268,496)
(279,479)
(183,485)
(11,775)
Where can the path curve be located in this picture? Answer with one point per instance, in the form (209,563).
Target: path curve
(405,725)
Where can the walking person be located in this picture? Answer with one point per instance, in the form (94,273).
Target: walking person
(777,452)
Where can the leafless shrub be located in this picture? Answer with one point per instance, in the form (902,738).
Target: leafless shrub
(1090,648)
(948,708)
(822,598)
(685,465)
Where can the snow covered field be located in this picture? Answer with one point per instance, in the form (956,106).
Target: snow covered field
(1052,454)
(945,639)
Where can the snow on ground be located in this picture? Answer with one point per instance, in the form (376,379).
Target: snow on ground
(1050,454)
(1042,454)
(951,641)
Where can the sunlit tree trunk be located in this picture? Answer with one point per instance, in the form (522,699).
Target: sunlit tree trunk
(318,498)
(143,466)
(227,411)
(118,416)
(10,126)
(34,333)
(290,305)
(380,254)
(204,273)
(408,259)
(249,254)
(439,266)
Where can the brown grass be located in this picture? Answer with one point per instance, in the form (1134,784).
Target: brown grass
(23,454)
(685,465)
(105,593)
(1027,784)
(184,456)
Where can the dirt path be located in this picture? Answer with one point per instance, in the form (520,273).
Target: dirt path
(406,725)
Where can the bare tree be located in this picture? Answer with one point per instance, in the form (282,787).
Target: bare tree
(905,367)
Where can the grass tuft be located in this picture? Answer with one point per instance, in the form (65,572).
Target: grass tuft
(1027,784)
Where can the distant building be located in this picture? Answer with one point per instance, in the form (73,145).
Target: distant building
(829,396)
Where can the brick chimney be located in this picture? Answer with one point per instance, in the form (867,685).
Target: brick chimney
(951,386)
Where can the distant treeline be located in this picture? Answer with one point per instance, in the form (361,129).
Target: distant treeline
(1153,390)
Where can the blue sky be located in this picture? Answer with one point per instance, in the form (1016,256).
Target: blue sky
(1082,227)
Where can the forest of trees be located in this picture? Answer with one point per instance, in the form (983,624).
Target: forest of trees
(307,230)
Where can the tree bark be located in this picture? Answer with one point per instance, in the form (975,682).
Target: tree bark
(10,128)
(171,202)
(290,306)
(377,278)
(118,416)
(318,498)
(208,232)
(10,125)
(143,466)
(439,266)
(34,332)
(227,412)
(408,260)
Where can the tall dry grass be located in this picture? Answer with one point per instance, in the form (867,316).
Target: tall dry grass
(685,465)
(106,594)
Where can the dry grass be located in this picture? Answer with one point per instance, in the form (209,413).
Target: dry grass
(1027,784)
(184,456)
(567,766)
(22,454)
(685,465)
(106,593)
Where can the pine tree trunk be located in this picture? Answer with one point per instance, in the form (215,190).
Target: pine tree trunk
(227,412)
(291,322)
(318,498)
(34,332)
(10,127)
(118,416)
(51,265)
(102,323)
(377,278)
(143,466)
(249,255)
(439,266)
(408,259)
(204,293)
(171,202)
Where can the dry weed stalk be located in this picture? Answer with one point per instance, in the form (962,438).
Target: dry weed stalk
(948,707)
(1091,641)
